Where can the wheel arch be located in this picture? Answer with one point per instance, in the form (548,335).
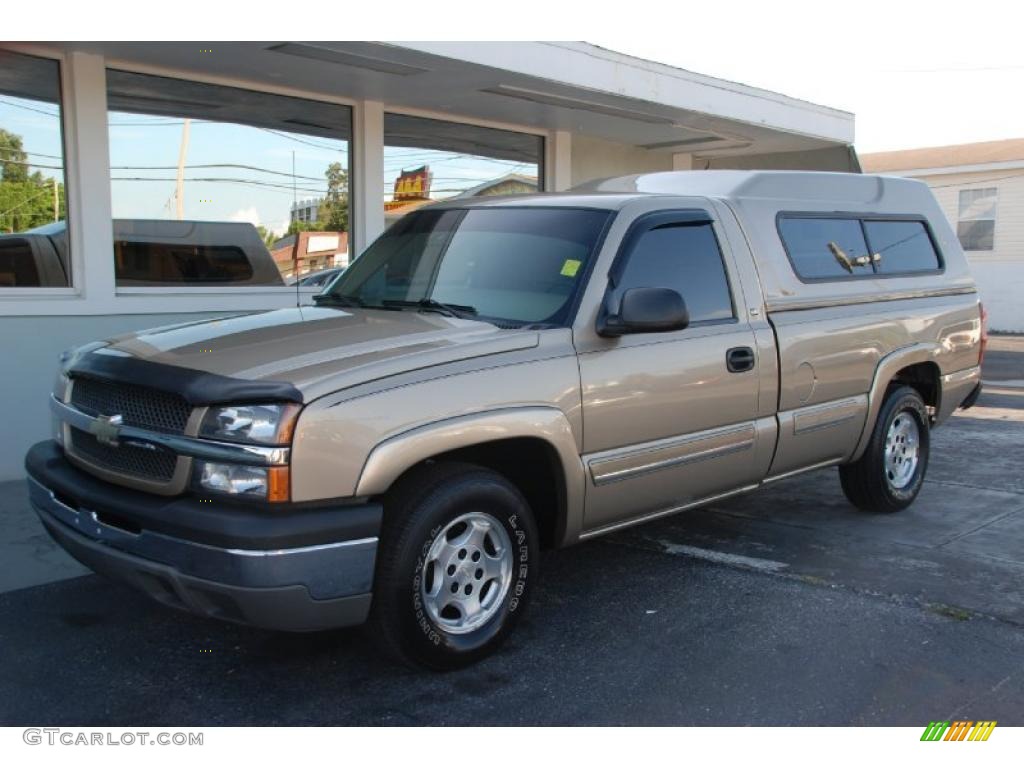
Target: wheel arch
(917,367)
(503,440)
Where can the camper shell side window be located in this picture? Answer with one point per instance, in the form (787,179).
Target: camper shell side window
(842,246)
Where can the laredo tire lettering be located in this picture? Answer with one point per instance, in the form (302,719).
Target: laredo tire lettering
(423,507)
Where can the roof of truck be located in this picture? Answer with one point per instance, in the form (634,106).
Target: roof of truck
(789,187)
(768,185)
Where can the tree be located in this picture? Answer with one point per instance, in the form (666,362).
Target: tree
(306,226)
(26,200)
(334,208)
(266,235)
(13,160)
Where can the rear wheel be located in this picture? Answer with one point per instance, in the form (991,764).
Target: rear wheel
(456,562)
(890,473)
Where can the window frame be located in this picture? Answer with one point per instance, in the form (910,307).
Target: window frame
(960,219)
(93,292)
(686,217)
(285,289)
(544,182)
(74,263)
(861,218)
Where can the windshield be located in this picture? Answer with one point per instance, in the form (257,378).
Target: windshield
(512,266)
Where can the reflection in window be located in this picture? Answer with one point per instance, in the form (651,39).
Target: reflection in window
(222,186)
(687,259)
(33,207)
(822,248)
(902,246)
(976,227)
(427,160)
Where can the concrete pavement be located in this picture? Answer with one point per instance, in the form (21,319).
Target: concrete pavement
(784,606)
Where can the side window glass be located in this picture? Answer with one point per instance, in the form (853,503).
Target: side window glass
(902,246)
(687,259)
(825,248)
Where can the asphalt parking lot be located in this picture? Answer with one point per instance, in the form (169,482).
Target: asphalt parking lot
(785,606)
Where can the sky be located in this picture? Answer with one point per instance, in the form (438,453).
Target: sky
(915,74)
(144,156)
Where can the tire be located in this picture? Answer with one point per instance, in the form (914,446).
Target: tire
(457,559)
(889,475)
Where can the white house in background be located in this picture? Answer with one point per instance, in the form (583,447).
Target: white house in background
(981,189)
(234,125)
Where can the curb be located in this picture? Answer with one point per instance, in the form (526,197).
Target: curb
(1008,384)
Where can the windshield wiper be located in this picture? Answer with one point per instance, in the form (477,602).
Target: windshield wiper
(338,299)
(433,305)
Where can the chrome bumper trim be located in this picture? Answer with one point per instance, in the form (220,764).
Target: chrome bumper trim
(199,448)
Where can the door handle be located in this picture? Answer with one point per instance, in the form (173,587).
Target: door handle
(739,359)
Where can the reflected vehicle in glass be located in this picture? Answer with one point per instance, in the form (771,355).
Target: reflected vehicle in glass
(148,252)
(318,279)
(498,375)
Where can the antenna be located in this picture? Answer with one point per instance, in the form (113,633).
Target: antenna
(295,245)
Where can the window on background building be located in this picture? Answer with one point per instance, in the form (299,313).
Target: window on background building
(33,206)
(218,186)
(976,226)
(427,160)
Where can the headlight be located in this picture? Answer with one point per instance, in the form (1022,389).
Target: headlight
(60,386)
(266,483)
(266,424)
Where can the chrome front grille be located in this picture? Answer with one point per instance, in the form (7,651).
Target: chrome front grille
(148,468)
(138,406)
(150,464)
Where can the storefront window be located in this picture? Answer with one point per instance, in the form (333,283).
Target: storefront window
(218,186)
(33,204)
(427,160)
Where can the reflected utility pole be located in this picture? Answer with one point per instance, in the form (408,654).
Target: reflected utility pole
(295,245)
(179,191)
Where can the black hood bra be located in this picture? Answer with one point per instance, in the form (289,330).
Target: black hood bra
(197,387)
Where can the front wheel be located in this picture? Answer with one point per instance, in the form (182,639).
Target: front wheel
(890,473)
(456,562)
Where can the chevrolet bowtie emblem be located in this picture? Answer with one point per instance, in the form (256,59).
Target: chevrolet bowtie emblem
(107,429)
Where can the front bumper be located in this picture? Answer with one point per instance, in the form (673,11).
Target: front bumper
(288,567)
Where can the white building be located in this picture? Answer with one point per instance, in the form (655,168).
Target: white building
(981,189)
(305,211)
(190,132)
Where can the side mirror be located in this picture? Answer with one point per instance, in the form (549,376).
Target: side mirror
(645,310)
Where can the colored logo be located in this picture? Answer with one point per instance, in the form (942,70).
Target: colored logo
(960,730)
(413,185)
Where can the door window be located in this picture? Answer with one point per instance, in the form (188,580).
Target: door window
(686,258)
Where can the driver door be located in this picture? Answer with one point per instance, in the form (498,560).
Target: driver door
(670,418)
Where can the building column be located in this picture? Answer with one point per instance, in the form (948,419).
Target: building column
(682,161)
(87,147)
(558,161)
(367,175)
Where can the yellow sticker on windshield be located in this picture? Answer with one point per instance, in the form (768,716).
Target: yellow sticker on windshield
(571,267)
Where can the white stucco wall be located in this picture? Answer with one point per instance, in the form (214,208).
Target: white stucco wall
(596,159)
(29,347)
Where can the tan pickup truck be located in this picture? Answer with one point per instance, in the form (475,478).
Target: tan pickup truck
(495,376)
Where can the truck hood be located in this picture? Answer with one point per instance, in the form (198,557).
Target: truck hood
(320,349)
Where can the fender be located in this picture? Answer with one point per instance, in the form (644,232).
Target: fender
(389,459)
(888,367)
